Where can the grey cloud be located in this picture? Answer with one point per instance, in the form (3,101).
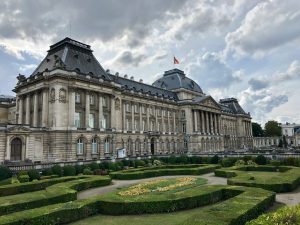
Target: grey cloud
(268,25)
(127,58)
(211,72)
(91,19)
(256,84)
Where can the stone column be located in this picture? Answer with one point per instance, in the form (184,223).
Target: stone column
(124,118)
(251,134)
(203,122)
(71,107)
(27,116)
(168,118)
(211,124)
(148,120)
(141,119)
(156,120)
(100,114)
(219,124)
(35,110)
(174,122)
(132,117)
(207,123)
(195,121)
(112,112)
(87,109)
(216,123)
(20,118)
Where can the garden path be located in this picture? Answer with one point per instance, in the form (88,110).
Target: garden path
(211,180)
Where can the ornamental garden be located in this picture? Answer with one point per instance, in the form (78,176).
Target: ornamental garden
(166,191)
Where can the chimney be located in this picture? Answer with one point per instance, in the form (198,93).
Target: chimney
(126,76)
(131,78)
(141,80)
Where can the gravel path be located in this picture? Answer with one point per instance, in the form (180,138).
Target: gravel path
(211,180)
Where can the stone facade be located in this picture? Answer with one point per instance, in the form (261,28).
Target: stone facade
(70,109)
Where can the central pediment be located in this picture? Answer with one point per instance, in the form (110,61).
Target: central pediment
(206,101)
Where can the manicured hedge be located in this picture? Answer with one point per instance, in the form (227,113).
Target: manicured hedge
(61,192)
(13,189)
(287,180)
(283,216)
(237,209)
(164,171)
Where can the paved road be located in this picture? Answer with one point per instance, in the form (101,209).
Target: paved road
(211,180)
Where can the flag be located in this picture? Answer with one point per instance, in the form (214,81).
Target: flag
(176,61)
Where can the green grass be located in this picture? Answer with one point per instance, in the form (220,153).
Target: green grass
(255,176)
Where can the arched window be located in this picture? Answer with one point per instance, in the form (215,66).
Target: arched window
(79,146)
(94,146)
(106,146)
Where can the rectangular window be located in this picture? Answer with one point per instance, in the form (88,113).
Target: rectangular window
(104,102)
(135,108)
(77,119)
(143,125)
(135,125)
(106,146)
(92,100)
(92,121)
(94,147)
(77,97)
(104,122)
(127,107)
(183,128)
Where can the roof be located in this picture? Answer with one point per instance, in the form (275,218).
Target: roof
(175,79)
(128,84)
(72,55)
(231,105)
(7,98)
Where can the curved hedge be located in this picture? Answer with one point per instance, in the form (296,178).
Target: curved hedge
(13,189)
(194,169)
(283,216)
(240,205)
(278,179)
(58,193)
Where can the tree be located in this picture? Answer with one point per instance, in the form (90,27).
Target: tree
(272,128)
(257,130)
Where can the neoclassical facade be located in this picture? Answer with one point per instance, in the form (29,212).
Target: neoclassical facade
(71,109)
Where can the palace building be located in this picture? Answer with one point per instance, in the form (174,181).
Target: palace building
(71,109)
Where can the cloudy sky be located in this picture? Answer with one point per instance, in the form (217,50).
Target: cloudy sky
(248,49)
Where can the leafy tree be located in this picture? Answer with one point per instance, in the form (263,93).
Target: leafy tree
(257,130)
(272,128)
(261,160)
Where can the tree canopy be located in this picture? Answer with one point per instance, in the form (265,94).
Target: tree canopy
(257,130)
(272,128)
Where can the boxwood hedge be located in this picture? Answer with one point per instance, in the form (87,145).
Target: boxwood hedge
(278,179)
(240,204)
(61,192)
(195,169)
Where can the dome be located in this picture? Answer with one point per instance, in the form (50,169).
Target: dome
(175,79)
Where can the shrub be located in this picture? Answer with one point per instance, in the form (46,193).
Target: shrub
(93,166)
(22,173)
(214,159)
(251,163)
(23,178)
(5,173)
(140,163)
(183,159)
(275,163)
(125,162)
(104,165)
(228,162)
(69,171)
(57,170)
(47,172)
(240,163)
(79,169)
(261,160)
(34,174)
(247,158)
(87,171)
(290,161)
(157,163)
(131,163)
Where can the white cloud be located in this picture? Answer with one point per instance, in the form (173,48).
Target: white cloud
(267,26)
